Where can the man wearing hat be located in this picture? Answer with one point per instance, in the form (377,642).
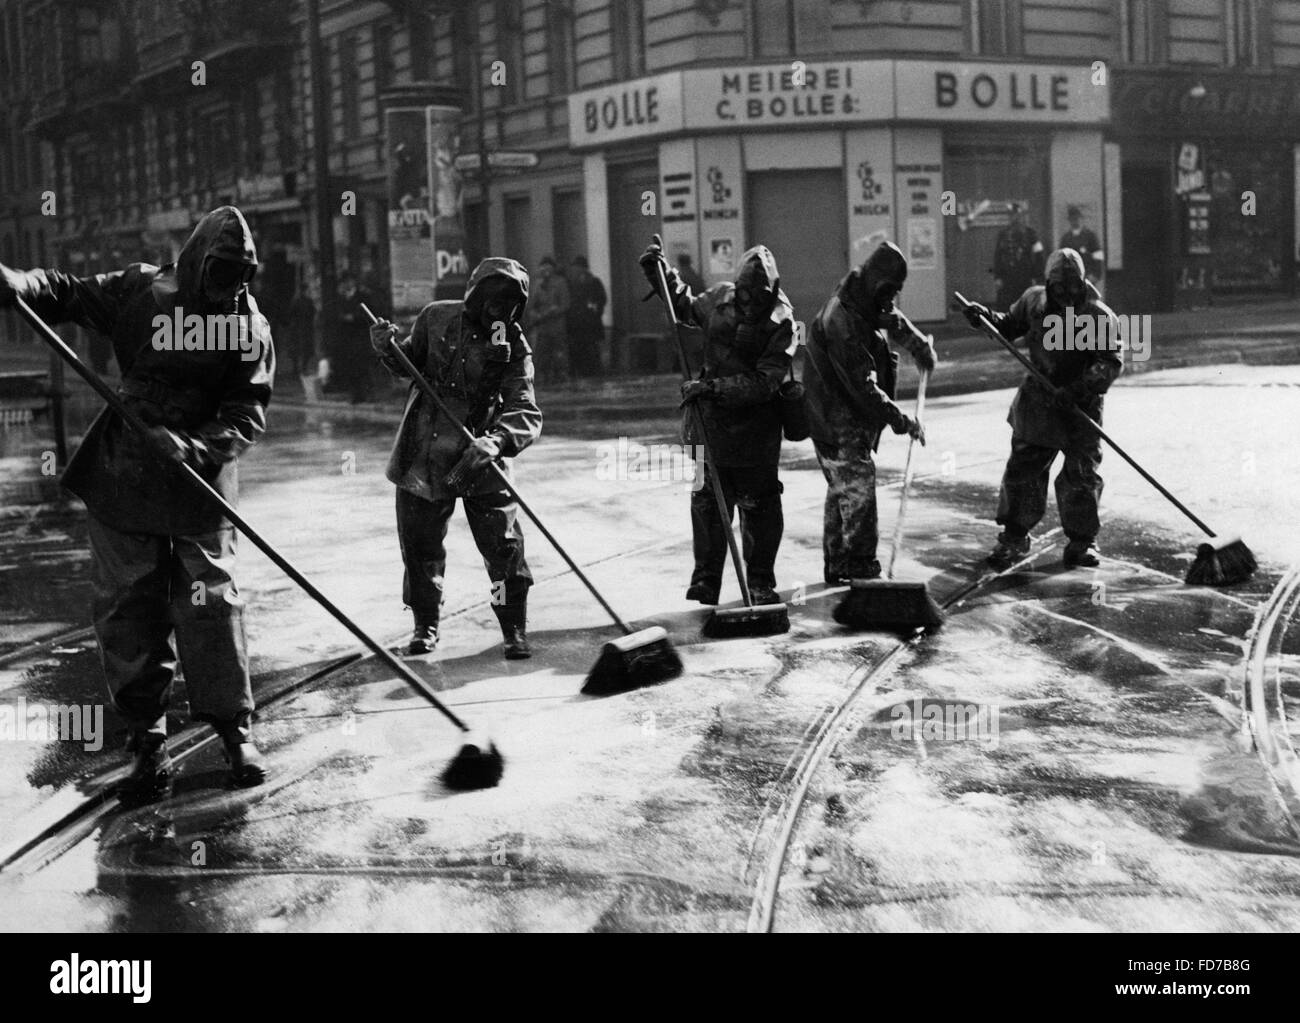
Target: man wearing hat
(1084,241)
(1017,258)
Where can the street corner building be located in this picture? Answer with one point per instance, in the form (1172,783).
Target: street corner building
(578,129)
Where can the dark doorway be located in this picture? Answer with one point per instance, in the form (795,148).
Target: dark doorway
(1145,284)
(629,233)
(800,216)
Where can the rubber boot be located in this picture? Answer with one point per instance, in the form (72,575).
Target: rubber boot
(424,638)
(151,772)
(514,629)
(247,766)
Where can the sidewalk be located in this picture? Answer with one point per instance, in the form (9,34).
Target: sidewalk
(1264,333)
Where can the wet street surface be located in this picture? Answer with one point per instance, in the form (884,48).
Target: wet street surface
(1128,765)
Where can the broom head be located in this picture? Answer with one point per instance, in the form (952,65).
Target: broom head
(478,765)
(638,659)
(888,606)
(759,620)
(1222,561)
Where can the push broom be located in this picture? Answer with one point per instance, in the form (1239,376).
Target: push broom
(887,604)
(1223,560)
(639,657)
(752,619)
(479,763)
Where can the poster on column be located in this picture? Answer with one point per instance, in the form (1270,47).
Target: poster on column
(410,223)
(451,265)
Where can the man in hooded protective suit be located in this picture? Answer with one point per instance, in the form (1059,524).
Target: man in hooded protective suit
(849,381)
(748,346)
(162,555)
(475,355)
(1044,425)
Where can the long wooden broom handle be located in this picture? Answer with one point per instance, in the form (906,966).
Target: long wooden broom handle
(1038,374)
(719,496)
(431,393)
(187,471)
(907,478)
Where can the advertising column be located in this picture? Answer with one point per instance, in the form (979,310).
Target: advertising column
(451,266)
(410,223)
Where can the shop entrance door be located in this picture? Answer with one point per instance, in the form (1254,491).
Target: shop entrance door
(985,177)
(1147,280)
(800,215)
(629,234)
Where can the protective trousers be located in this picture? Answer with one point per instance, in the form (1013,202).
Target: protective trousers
(849,523)
(757,492)
(1023,498)
(422,533)
(155,594)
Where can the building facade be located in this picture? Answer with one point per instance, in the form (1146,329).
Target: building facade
(816,127)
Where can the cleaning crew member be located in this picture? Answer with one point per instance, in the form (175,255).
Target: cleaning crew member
(1043,425)
(475,355)
(749,342)
(162,555)
(849,381)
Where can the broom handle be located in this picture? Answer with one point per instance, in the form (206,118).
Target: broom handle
(117,405)
(907,478)
(996,335)
(719,496)
(432,394)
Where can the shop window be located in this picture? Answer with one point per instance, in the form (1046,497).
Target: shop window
(1142,31)
(254,150)
(162,153)
(783,28)
(464,51)
(420,25)
(1243,32)
(382,34)
(559,46)
(994,27)
(629,38)
(349,88)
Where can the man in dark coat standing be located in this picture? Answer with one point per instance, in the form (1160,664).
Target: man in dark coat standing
(748,345)
(1084,241)
(475,355)
(1017,258)
(849,381)
(162,555)
(587,301)
(1043,425)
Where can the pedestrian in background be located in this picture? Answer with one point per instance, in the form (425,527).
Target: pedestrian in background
(587,299)
(548,307)
(1017,259)
(349,340)
(1083,241)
